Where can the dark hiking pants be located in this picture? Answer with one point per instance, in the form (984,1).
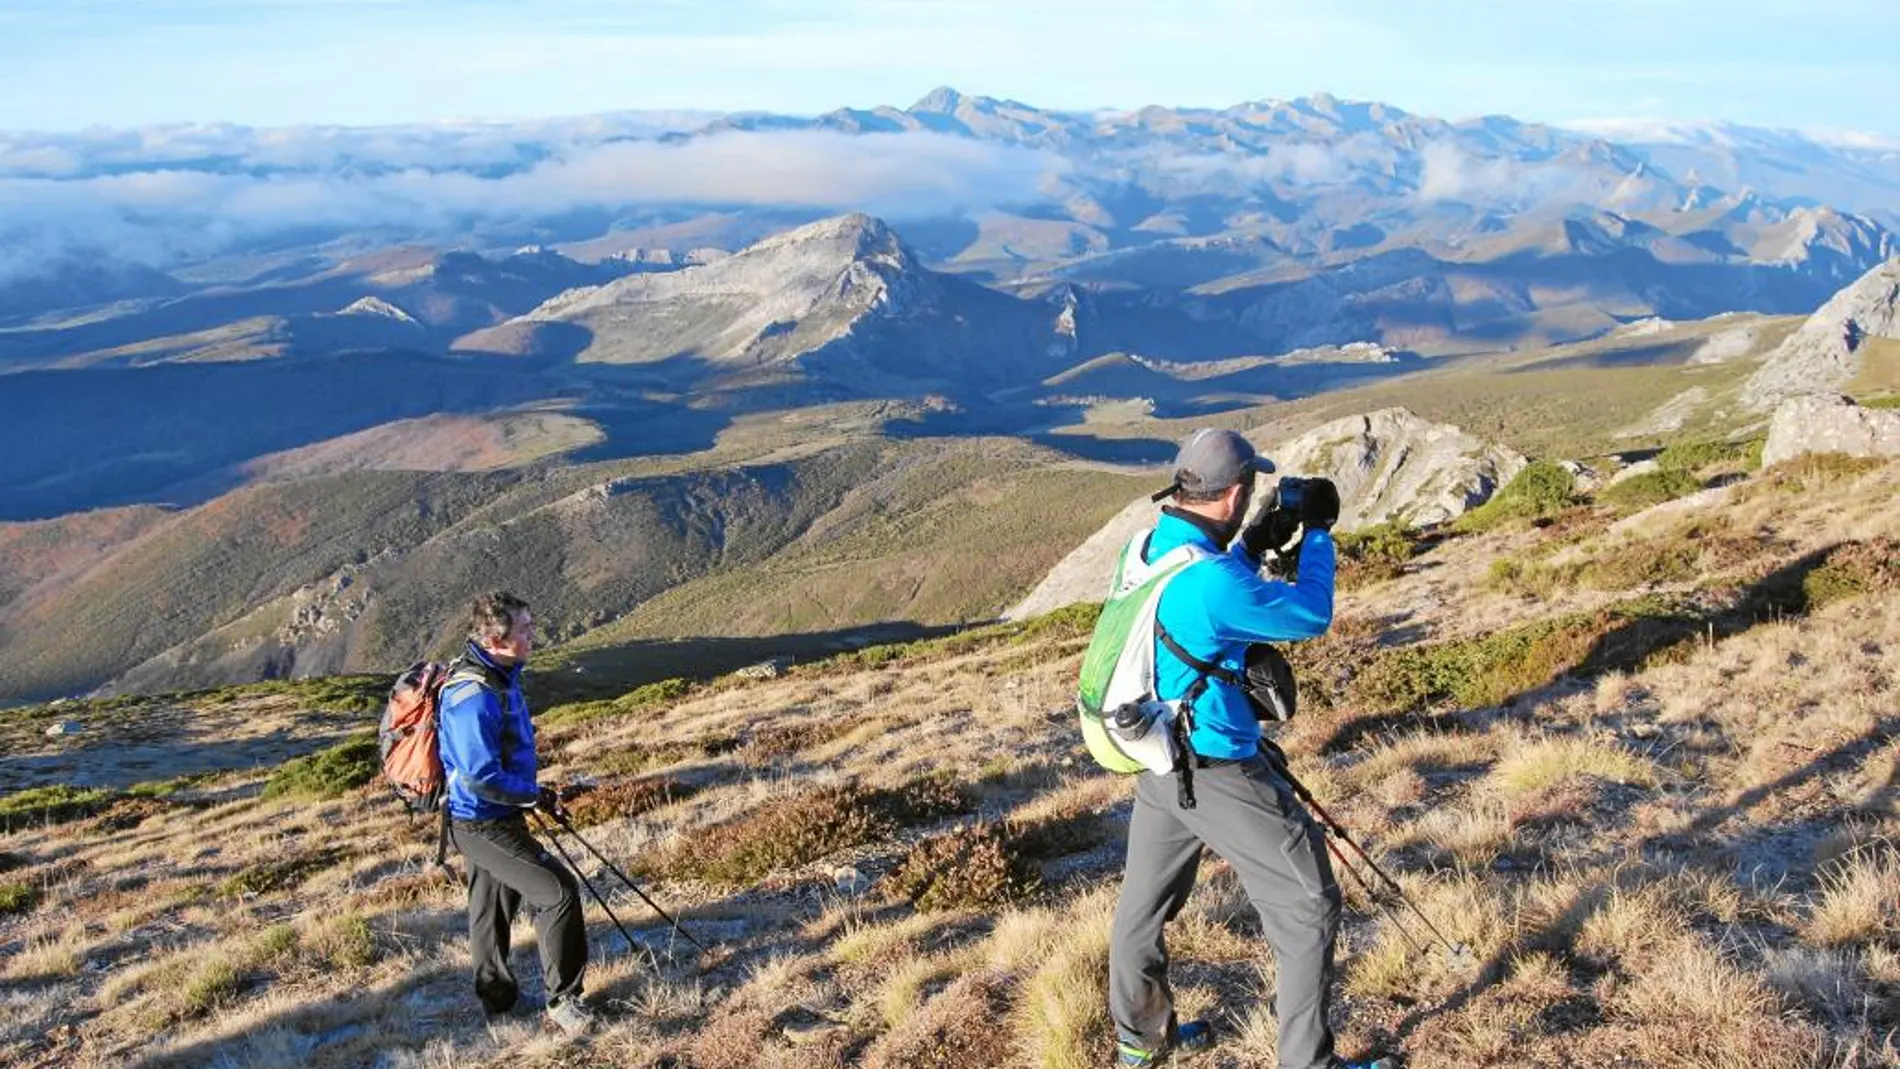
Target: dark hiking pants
(506,869)
(1248,815)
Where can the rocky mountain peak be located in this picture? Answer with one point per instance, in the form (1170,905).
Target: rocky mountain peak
(376,307)
(855,236)
(942,100)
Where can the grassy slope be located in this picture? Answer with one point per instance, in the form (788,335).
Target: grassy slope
(952,540)
(1565,401)
(931,531)
(1680,853)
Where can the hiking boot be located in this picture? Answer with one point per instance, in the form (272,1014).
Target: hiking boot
(1386,1061)
(1189,1037)
(571,1016)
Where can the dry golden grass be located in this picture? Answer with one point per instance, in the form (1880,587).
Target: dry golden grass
(1679,861)
(1859,898)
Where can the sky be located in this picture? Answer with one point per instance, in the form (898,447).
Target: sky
(1821,65)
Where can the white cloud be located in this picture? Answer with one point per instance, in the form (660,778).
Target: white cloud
(1447,172)
(162,213)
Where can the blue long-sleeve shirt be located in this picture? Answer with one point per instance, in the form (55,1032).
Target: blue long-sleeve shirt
(487,744)
(1216,608)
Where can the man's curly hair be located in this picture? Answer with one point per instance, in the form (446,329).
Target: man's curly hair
(492,615)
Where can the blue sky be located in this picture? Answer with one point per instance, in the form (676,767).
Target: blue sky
(64,64)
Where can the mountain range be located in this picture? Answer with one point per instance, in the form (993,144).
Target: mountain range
(293,438)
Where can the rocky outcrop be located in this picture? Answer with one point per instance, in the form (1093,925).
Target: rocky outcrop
(1825,352)
(1830,423)
(1394,465)
(1388,465)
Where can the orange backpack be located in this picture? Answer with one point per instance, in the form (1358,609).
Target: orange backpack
(410,738)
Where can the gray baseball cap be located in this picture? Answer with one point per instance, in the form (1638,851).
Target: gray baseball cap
(1212,460)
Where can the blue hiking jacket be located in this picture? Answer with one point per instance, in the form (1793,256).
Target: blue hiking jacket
(487,745)
(1218,607)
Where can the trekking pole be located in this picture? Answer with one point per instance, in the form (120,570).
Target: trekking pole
(1339,830)
(548,828)
(1360,881)
(631,886)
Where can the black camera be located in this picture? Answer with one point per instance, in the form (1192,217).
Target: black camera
(1289,494)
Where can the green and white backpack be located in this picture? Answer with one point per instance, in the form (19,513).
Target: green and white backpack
(1118,671)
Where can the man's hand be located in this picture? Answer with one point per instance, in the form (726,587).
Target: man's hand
(1320,510)
(1272,529)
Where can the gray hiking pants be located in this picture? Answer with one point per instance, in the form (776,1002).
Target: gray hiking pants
(506,868)
(1248,815)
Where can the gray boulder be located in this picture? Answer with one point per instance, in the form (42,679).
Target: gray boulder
(1825,352)
(1830,423)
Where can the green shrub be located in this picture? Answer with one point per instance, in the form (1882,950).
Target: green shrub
(1069,622)
(1480,671)
(17,898)
(639,699)
(265,877)
(324,694)
(346,942)
(275,942)
(1852,569)
(1542,489)
(165,788)
(1504,572)
(328,773)
(214,985)
(806,827)
(57,804)
(1651,488)
(1374,553)
(976,866)
(1696,456)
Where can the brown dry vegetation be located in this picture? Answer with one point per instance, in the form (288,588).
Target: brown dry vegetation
(1651,778)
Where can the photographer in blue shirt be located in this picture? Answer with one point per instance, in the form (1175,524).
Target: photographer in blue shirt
(1240,806)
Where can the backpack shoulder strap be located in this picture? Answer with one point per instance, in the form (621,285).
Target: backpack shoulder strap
(1205,668)
(465,669)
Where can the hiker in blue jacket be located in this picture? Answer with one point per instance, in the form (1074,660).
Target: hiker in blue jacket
(487,745)
(1242,808)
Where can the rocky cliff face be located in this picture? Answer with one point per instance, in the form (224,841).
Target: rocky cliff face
(1825,352)
(1388,465)
(1830,423)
